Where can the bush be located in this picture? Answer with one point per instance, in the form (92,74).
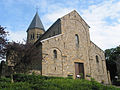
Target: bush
(70,84)
(117,82)
(15,86)
(29,78)
(37,82)
(3,79)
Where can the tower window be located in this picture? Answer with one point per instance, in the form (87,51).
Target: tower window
(55,54)
(28,36)
(38,35)
(97,59)
(33,36)
(76,40)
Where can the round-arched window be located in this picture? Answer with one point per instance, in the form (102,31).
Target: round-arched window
(55,54)
(77,40)
(97,59)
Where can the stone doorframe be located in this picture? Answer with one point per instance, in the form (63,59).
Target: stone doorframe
(79,61)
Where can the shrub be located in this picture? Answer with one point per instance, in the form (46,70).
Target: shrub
(37,82)
(116,82)
(3,79)
(15,86)
(26,77)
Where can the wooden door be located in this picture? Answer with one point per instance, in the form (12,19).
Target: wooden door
(79,69)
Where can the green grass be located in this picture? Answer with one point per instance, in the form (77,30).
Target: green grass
(37,82)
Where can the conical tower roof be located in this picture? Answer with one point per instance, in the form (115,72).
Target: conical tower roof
(36,23)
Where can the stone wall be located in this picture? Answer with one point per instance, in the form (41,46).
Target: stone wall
(72,24)
(65,45)
(35,32)
(98,68)
(51,66)
(68,53)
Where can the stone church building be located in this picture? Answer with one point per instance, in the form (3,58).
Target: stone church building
(66,49)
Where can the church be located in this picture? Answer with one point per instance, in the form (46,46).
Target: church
(66,49)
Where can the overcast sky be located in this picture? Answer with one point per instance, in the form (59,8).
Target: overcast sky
(103,17)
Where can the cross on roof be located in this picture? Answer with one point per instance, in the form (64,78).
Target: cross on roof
(37,9)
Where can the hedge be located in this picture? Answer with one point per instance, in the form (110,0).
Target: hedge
(37,82)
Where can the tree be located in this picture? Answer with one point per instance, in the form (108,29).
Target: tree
(3,42)
(112,61)
(23,57)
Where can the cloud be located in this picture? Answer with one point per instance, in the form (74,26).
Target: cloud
(17,36)
(103,34)
(103,16)
(51,17)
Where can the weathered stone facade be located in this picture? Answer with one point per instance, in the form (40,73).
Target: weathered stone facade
(68,53)
(66,49)
(98,69)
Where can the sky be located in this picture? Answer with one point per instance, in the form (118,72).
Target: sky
(103,17)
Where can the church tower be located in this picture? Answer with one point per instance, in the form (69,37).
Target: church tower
(35,30)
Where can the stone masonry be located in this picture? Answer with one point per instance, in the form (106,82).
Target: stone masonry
(64,42)
(66,49)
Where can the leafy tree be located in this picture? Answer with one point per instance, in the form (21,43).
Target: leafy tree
(3,42)
(113,60)
(23,56)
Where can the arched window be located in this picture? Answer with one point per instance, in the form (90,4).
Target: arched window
(77,40)
(38,35)
(97,59)
(55,54)
(33,35)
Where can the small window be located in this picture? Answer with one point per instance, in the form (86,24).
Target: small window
(54,33)
(55,54)
(28,37)
(64,44)
(77,40)
(33,35)
(97,59)
(38,35)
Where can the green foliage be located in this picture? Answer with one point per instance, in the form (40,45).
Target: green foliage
(117,83)
(29,78)
(3,42)
(3,79)
(112,57)
(37,82)
(81,74)
(15,86)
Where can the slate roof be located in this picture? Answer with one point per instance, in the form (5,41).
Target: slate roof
(36,23)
